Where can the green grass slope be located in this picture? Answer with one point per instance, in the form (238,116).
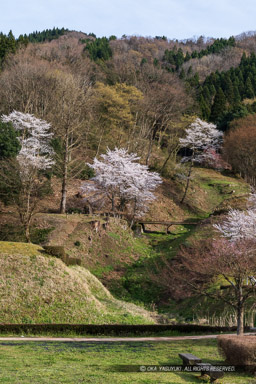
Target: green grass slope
(126,264)
(37,288)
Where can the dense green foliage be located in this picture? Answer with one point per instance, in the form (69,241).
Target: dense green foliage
(8,44)
(221,93)
(99,49)
(112,329)
(9,144)
(46,35)
(176,56)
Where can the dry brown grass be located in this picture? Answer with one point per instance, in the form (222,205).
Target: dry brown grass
(239,350)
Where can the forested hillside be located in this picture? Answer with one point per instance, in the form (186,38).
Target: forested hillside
(98,134)
(217,75)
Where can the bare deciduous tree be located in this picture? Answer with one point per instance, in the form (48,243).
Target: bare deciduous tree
(239,147)
(68,115)
(217,269)
(34,85)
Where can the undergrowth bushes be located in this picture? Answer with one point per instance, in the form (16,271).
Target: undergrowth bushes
(59,252)
(239,350)
(112,329)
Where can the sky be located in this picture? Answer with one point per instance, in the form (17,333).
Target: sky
(178,19)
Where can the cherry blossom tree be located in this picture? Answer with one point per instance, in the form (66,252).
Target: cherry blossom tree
(23,179)
(34,137)
(200,138)
(121,180)
(238,225)
(213,159)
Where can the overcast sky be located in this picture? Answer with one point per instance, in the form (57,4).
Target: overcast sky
(173,18)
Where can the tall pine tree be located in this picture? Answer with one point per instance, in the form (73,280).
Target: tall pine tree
(219,106)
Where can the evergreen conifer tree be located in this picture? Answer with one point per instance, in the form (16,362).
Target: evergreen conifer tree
(228,89)
(248,92)
(9,144)
(219,106)
(182,74)
(205,108)
(236,95)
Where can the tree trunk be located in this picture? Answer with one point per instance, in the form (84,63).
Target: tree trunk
(188,181)
(27,232)
(251,319)
(113,202)
(165,162)
(149,149)
(150,146)
(98,148)
(240,318)
(63,202)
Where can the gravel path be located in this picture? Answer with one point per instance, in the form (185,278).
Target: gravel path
(109,339)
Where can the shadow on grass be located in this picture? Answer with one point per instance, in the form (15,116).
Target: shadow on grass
(138,283)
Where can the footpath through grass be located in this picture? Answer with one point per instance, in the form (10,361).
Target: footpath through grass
(90,362)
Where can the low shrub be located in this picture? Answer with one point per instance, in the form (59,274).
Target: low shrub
(11,232)
(59,252)
(55,250)
(75,211)
(74,261)
(86,173)
(239,350)
(40,235)
(110,329)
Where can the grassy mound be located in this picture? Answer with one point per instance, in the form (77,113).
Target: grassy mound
(37,288)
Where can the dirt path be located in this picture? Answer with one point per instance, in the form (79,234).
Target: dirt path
(109,339)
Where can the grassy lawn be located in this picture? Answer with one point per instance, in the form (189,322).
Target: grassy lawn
(90,362)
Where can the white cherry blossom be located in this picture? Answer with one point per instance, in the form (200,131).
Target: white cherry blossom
(34,137)
(120,178)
